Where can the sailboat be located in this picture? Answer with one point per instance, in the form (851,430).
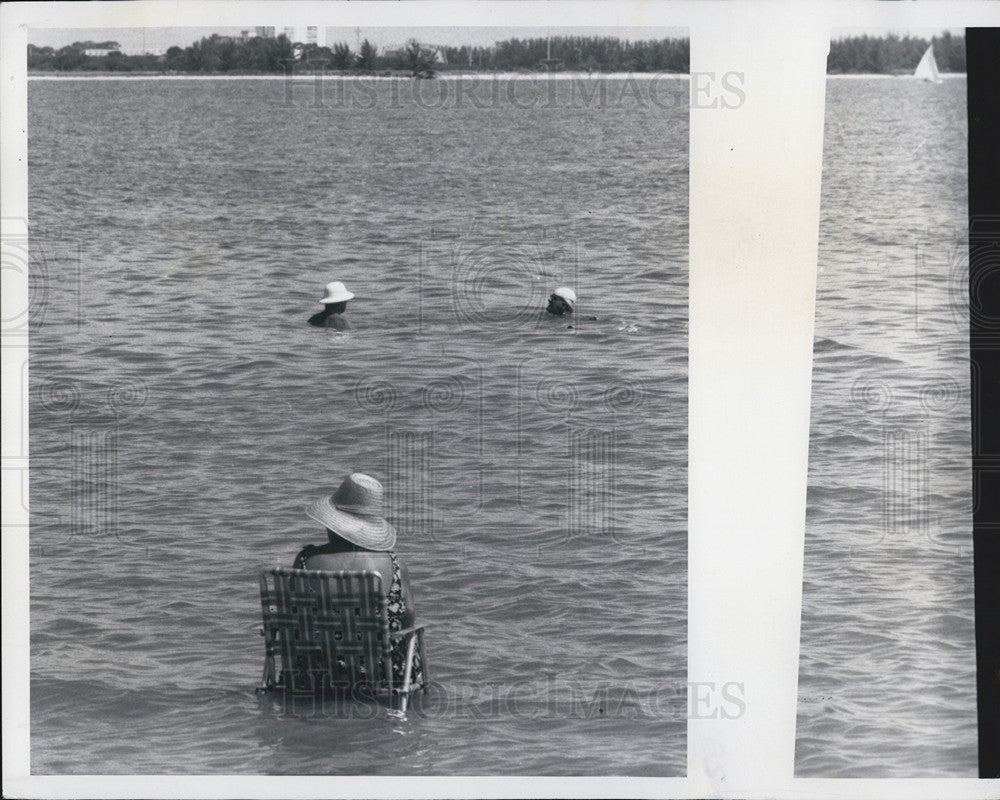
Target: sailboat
(927,68)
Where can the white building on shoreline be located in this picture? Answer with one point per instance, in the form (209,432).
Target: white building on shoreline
(108,48)
(300,34)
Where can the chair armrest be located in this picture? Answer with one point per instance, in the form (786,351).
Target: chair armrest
(406,631)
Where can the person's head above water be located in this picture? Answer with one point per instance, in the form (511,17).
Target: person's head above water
(561,301)
(336,296)
(354,513)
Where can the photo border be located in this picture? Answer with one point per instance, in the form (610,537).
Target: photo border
(745,563)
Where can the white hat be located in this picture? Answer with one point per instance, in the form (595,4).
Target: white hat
(336,292)
(566,294)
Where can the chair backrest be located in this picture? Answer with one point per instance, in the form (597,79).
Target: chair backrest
(329,629)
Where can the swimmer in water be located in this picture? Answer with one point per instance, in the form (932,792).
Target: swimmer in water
(561,301)
(335,300)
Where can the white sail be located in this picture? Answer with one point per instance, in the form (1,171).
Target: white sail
(927,68)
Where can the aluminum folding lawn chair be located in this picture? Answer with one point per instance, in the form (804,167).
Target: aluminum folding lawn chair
(330,632)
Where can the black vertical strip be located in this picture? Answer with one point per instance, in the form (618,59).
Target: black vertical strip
(983,68)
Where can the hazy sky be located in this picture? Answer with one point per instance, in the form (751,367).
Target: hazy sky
(157,39)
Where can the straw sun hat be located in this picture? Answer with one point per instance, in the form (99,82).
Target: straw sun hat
(336,292)
(354,512)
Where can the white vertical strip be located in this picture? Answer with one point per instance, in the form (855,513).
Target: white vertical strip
(758,88)
(14,350)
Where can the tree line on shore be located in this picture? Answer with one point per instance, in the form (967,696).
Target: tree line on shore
(226,54)
(217,54)
(576,53)
(893,54)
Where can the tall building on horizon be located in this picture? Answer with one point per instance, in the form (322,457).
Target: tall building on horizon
(297,34)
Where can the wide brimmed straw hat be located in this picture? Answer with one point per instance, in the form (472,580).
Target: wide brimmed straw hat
(354,512)
(566,294)
(336,292)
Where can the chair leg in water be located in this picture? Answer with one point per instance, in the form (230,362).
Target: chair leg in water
(408,673)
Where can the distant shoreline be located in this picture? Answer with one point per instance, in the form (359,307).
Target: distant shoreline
(307,77)
(451,76)
(942,75)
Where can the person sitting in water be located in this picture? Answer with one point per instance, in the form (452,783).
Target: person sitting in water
(335,301)
(561,301)
(360,538)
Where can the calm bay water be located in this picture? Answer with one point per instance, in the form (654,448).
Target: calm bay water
(183,415)
(887,667)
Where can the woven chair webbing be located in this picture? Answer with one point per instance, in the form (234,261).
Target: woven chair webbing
(332,624)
